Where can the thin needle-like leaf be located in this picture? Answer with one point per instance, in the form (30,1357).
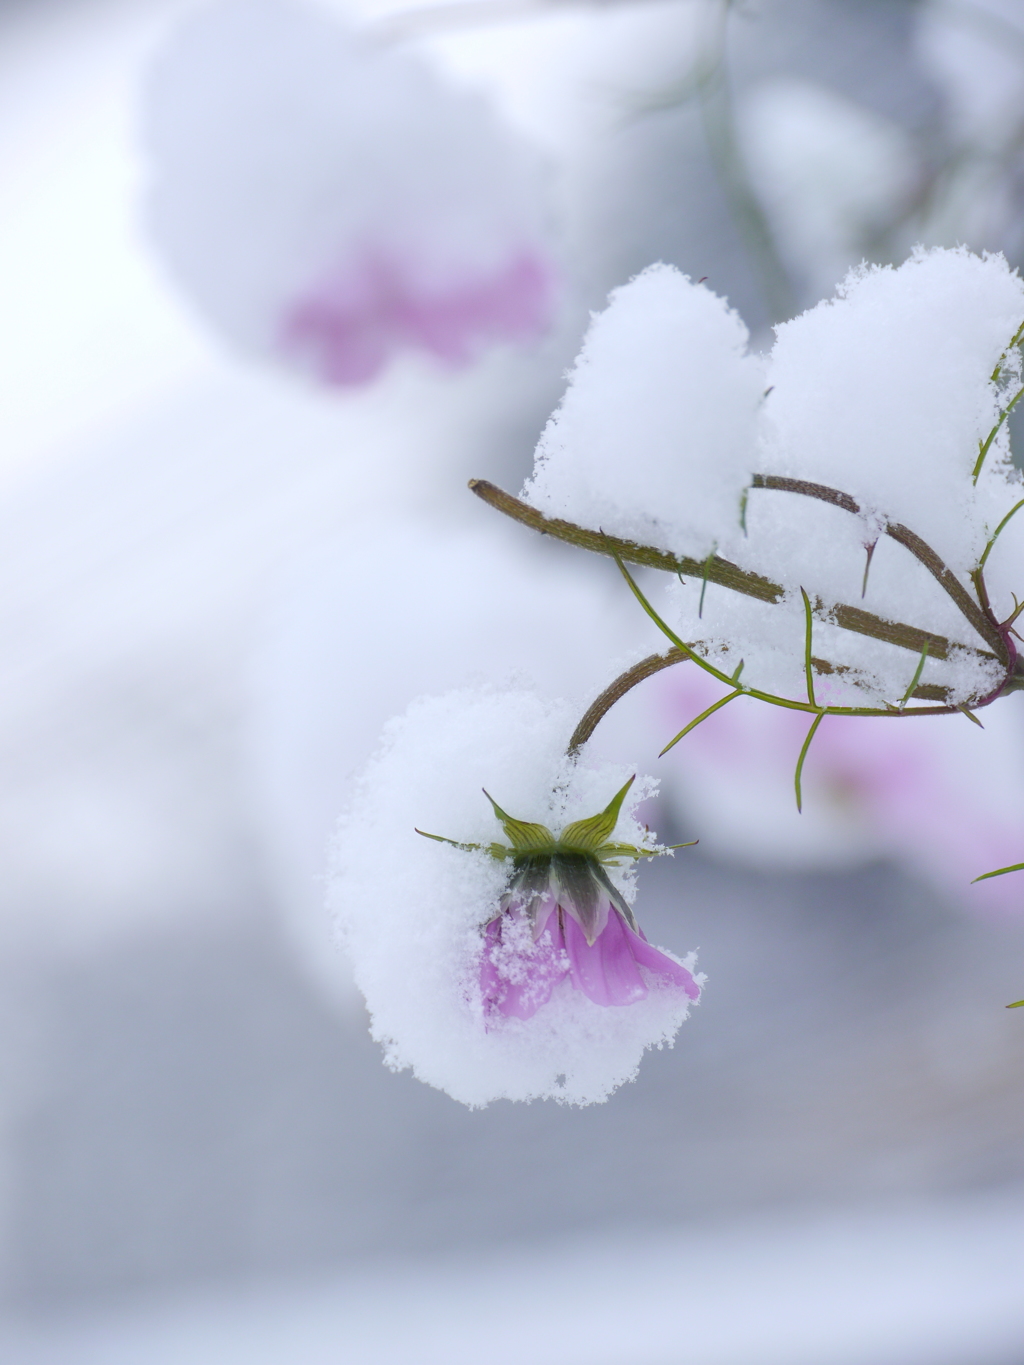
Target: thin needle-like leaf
(1014,341)
(704,581)
(917,677)
(808,629)
(867,567)
(800,761)
(1016,1005)
(498,851)
(999,872)
(697,719)
(995,534)
(970,715)
(666,629)
(983,449)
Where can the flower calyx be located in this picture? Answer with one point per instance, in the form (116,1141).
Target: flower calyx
(565,869)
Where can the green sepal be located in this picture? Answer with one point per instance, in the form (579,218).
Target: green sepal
(524,837)
(1016,1005)
(589,835)
(497,851)
(607,852)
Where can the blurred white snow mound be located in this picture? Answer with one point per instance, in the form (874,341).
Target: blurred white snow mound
(973,53)
(829,172)
(410,910)
(328,201)
(655,437)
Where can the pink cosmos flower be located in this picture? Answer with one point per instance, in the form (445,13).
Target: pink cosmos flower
(562,917)
(329,201)
(567,920)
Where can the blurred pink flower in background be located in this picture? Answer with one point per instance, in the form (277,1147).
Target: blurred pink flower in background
(349,325)
(328,201)
(940,796)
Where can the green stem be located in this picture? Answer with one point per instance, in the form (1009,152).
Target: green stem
(800,761)
(916,678)
(771,697)
(708,711)
(996,533)
(985,446)
(808,656)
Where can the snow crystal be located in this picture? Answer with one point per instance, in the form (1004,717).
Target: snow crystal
(410,910)
(655,437)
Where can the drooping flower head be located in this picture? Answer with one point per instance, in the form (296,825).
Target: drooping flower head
(329,202)
(562,917)
(441,940)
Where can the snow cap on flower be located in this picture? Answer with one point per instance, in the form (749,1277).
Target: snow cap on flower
(655,438)
(329,202)
(413,913)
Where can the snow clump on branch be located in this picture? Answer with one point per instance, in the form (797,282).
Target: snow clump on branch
(889,393)
(654,436)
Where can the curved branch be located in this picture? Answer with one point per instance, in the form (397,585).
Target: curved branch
(720,571)
(616,690)
(716,570)
(910,540)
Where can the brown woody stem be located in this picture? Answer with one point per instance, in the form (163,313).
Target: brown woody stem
(729,575)
(716,570)
(910,540)
(615,691)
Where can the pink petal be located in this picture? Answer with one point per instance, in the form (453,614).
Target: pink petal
(608,972)
(605,971)
(655,961)
(517,975)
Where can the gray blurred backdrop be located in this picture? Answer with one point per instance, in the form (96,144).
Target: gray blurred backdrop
(184,1104)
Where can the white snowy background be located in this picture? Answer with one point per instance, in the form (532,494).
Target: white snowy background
(217,583)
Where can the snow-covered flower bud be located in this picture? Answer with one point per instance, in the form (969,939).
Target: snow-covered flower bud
(562,917)
(327,201)
(489,967)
